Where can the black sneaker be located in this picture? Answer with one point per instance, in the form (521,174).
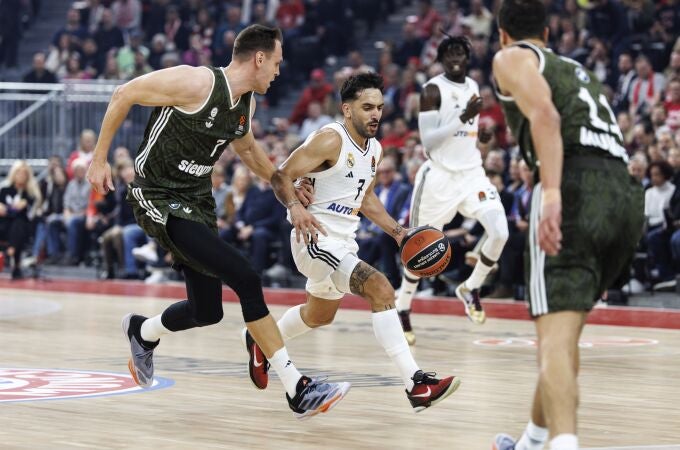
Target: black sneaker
(314,397)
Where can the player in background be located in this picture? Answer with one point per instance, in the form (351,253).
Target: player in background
(586,214)
(452,180)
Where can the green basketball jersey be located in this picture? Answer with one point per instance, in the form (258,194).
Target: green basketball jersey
(180,147)
(588,124)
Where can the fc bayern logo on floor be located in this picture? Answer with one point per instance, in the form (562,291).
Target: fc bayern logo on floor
(24,385)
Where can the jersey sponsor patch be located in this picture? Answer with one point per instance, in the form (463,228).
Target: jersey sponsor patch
(342,209)
(196,170)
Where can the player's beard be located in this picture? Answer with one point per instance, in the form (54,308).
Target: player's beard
(364,131)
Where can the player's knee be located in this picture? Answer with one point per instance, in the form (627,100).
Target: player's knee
(204,318)
(379,291)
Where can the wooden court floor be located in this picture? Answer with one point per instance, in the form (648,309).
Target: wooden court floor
(629,384)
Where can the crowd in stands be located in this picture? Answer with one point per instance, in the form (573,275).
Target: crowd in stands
(632,46)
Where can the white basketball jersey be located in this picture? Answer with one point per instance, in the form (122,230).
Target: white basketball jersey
(339,190)
(458,151)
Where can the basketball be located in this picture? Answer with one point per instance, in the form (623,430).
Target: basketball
(425,251)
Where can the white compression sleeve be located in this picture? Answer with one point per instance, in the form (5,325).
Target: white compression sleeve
(432,133)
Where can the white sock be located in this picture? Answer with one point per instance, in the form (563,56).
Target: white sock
(387,329)
(291,324)
(564,442)
(478,275)
(533,438)
(153,328)
(286,370)
(405,294)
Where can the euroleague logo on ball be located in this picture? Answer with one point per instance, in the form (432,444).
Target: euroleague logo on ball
(425,252)
(23,385)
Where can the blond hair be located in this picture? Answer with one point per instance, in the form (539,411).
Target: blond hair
(31,184)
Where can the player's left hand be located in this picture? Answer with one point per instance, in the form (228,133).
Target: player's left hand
(549,232)
(304,191)
(305,224)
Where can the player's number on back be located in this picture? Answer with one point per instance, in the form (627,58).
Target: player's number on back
(219,142)
(360,188)
(611,127)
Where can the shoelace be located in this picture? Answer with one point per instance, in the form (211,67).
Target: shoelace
(474,300)
(425,378)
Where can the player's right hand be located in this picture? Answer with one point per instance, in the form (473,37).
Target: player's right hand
(549,232)
(305,224)
(99,176)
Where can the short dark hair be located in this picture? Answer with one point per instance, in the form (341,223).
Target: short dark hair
(522,19)
(664,167)
(452,41)
(353,86)
(256,38)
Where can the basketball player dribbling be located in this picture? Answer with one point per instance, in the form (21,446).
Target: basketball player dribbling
(453,180)
(340,160)
(586,211)
(198,112)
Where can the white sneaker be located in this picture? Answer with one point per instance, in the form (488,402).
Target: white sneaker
(157,276)
(146,253)
(634,287)
(277,271)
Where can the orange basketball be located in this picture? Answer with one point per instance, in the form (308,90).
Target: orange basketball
(425,251)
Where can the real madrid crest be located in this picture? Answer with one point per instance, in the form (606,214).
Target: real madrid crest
(350,160)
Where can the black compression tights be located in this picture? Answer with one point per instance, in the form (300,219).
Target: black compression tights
(204,293)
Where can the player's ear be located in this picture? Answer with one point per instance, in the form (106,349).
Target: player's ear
(346,110)
(546,34)
(503,37)
(259,58)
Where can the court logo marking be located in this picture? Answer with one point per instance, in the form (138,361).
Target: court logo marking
(609,341)
(26,385)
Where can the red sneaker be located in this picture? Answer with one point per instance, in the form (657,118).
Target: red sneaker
(428,390)
(258,366)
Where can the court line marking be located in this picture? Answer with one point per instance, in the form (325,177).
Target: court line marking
(639,447)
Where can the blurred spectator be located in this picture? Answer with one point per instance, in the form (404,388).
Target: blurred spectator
(157,50)
(223,40)
(73,69)
(429,53)
(76,199)
(491,116)
(317,91)
(647,87)
(58,56)
(637,168)
(91,15)
(140,67)
(673,69)
(18,196)
(315,119)
(356,62)
(39,74)
(240,185)
(672,105)
(111,71)
(607,20)
(175,28)
(453,19)
(479,20)
(52,189)
(88,140)
(10,31)
(257,223)
(126,55)
(393,194)
(72,28)
(410,47)
(219,193)
(428,19)
(397,135)
(112,239)
(658,196)
(290,16)
(108,36)
(598,62)
(193,55)
(91,60)
(624,82)
(127,14)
